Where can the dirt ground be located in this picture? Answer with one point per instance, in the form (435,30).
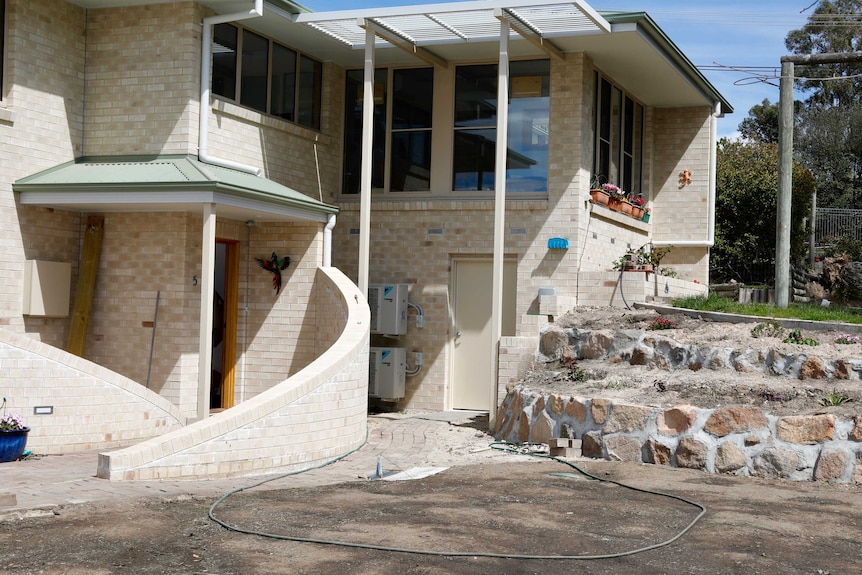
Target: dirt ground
(751,526)
(705,388)
(489,503)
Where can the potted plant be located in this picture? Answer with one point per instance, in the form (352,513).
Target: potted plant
(13,435)
(597,194)
(646,215)
(637,206)
(617,196)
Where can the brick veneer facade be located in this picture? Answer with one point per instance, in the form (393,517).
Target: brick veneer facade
(125,81)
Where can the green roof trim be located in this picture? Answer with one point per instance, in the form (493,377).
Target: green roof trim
(165,173)
(666,45)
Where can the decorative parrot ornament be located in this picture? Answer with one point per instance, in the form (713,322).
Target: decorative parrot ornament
(274,266)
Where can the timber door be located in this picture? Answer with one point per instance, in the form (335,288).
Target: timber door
(225,302)
(472,376)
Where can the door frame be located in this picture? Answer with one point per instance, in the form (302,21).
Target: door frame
(231,315)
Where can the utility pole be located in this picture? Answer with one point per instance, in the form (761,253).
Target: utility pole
(785,163)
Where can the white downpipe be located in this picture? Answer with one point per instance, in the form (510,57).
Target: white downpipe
(365,171)
(499,211)
(713,143)
(206,66)
(327,240)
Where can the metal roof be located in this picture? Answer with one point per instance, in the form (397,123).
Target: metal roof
(165,183)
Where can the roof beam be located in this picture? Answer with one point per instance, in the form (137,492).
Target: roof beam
(400,41)
(528,33)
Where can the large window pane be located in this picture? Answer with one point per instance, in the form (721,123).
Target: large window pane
(283,99)
(224,60)
(411,161)
(354,95)
(310,78)
(254,71)
(474,159)
(528,127)
(412,98)
(476,95)
(619,138)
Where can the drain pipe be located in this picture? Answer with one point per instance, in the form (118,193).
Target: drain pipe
(713,143)
(327,240)
(206,66)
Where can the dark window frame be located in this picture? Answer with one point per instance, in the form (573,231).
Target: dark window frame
(305,95)
(619,137)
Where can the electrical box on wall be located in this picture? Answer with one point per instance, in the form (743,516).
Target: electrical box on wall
(388,303)
(47,286)
(386,372)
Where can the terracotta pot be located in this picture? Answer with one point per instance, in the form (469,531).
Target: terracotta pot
(626,208)
(600,197)
(637,212)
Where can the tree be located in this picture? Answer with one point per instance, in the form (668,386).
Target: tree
(828,137)
(745,216)
(761,125)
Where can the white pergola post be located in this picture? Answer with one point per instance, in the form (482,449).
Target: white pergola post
(499,210)
(205,338)
(367,145)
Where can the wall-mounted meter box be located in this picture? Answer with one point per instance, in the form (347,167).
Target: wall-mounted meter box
(386,372)
(388,303)
(47,288)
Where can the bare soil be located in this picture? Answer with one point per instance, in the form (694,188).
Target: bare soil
(488,504)
(704,388)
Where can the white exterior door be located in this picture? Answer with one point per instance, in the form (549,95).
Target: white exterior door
(472,376)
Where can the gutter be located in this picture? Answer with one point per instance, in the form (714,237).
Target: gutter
(713,143)
(206,66)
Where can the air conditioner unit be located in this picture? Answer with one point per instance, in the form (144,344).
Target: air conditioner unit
(386,372)
(388,303)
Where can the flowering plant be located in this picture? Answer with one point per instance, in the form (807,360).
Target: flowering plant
(11,422)
(846,339)
(613,190)
(661,323)
(637,200)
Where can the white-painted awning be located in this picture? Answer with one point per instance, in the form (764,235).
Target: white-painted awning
(457,24)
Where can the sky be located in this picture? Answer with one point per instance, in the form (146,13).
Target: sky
(736,35)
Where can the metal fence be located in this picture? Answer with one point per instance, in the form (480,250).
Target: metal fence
(836,222)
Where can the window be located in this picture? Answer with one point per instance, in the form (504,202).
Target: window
(619,138)
(475,127)
(266,74)
(401,154)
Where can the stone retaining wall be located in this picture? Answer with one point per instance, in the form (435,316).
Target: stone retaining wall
(734,440)
(737,440)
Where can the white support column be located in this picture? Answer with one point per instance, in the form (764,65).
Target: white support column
(367,145)
(208,249)
(499,210)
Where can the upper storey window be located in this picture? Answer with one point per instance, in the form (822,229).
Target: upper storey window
(261,74)
(619,138)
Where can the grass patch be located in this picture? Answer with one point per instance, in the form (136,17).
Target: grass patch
(811,312)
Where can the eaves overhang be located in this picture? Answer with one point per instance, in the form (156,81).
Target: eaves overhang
(165,183)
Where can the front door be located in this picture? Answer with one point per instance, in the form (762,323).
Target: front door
(473,380)
(224,325)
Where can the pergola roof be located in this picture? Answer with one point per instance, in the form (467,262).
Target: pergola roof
(459,23)
(165,183)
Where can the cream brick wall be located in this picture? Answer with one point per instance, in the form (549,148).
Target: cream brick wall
(681,139)
(143,79)
(41,117)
